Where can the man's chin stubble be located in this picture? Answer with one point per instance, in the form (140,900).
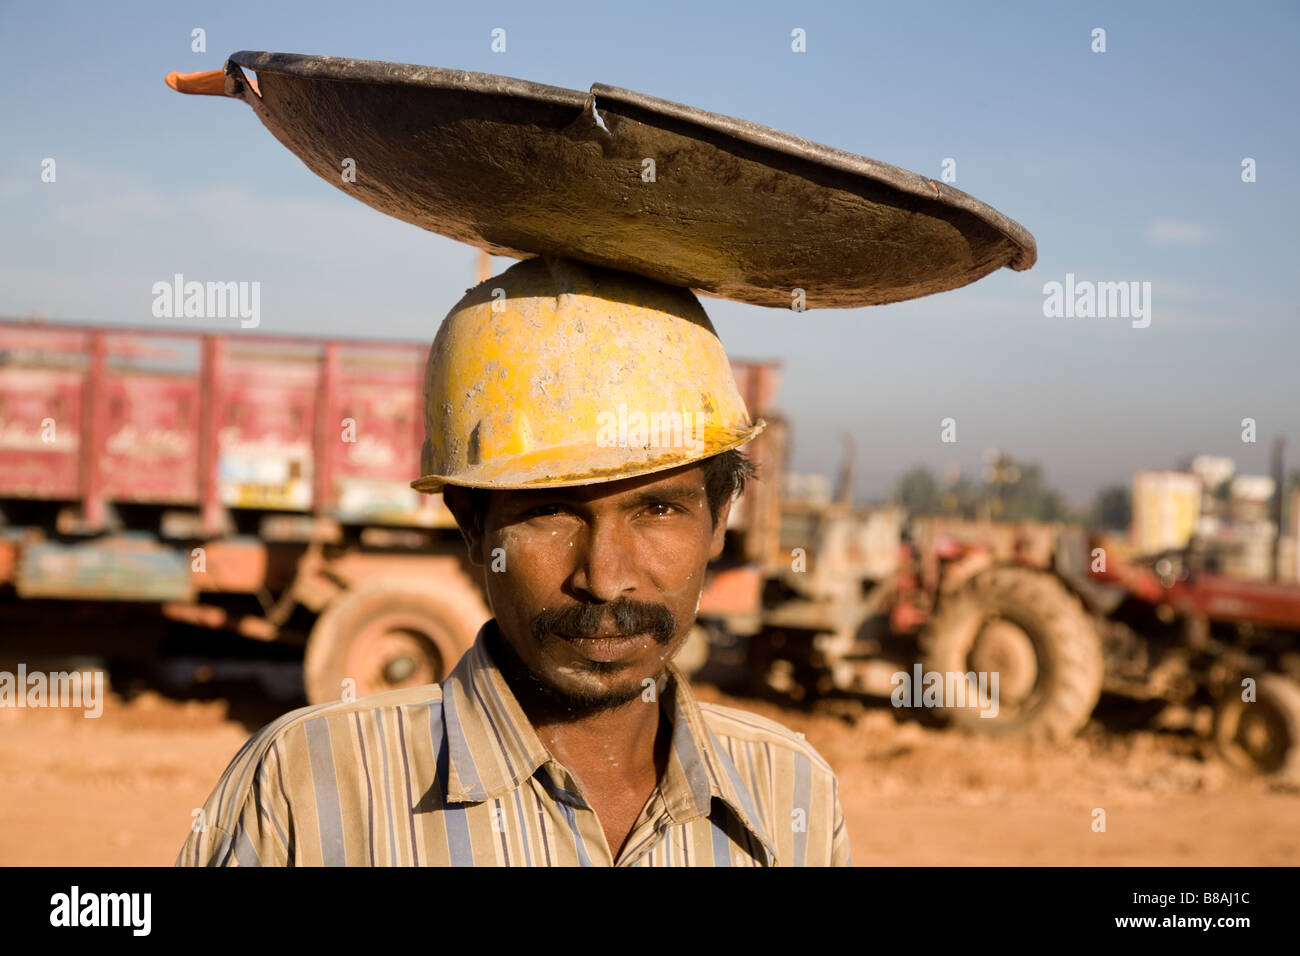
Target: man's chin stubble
(571,704)
(584,703)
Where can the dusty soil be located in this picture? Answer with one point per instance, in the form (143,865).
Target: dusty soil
(120,790)
(919,796)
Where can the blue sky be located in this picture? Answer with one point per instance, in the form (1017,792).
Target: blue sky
(1125,165)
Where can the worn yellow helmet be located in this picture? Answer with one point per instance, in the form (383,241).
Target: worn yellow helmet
(557,373)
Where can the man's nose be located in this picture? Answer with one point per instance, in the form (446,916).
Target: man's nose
(605,564)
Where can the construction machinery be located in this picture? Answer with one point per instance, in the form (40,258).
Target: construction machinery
(1060,616)
(256,487)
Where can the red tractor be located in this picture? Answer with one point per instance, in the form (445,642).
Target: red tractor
(1058,617)
(1066,621)
(1188,634)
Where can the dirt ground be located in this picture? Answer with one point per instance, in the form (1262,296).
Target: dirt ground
(119,790)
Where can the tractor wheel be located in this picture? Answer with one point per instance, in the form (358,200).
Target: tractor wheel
(1262,735)
(1029,630)
(387,634)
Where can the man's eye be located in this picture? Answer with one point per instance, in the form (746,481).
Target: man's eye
(660,510)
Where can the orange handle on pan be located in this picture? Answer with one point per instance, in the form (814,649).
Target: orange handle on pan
(205,83)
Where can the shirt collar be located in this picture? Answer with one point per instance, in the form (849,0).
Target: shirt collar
(492,747)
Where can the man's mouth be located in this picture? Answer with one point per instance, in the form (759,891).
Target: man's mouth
(615,647)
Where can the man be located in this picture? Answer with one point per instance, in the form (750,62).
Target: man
(583,426)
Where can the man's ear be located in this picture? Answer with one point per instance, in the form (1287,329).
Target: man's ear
(720,530)
(458,502)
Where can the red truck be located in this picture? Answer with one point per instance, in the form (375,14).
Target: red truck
(258,485)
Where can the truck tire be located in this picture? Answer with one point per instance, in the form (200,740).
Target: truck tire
(1263,735)
(391,633)
(1029,629)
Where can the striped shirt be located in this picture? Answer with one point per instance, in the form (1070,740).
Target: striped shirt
(454,775)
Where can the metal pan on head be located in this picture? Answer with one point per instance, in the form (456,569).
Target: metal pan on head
(627,181)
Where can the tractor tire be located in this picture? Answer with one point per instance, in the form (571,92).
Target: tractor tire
(1262,736)
(391,633)
(1026,627)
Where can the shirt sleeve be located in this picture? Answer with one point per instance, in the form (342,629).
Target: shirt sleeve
(840,852)
(246,821)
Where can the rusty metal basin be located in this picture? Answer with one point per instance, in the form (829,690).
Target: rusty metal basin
(519,169)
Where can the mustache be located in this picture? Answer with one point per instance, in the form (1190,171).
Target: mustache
(630,617)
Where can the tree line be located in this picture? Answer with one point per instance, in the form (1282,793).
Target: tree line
(1018,491)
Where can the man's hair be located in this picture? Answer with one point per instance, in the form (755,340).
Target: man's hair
(725,475)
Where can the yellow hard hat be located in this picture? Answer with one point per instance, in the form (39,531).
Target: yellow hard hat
(558,373)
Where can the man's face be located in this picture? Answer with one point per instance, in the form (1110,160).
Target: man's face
(596,587)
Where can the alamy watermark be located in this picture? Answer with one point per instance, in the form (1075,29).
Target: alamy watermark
(75,908)
(1098,300)
(179,299)
(84,689)
(660,429)
(948,689)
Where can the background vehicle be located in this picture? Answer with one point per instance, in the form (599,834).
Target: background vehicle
(249,486)
(1062,616)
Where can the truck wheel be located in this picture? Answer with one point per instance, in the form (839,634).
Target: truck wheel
(1026,627)
(1263,735)
(389,634)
